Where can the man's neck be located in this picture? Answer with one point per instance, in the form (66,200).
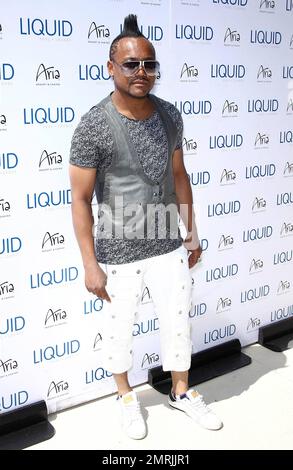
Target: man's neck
(134,108)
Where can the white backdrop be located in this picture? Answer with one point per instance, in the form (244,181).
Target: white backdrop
(227,65)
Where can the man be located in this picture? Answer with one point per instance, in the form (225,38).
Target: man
(128,149)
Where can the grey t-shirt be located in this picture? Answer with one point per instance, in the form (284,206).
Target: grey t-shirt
(92,146)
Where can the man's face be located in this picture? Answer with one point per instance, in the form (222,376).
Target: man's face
(139,83)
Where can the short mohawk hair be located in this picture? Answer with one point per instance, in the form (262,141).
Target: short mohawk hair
(130,30)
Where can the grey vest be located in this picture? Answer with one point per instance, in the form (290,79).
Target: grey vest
(127,198)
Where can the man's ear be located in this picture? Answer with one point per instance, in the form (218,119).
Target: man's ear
(110,68)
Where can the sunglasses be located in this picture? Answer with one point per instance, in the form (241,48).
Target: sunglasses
(151,67)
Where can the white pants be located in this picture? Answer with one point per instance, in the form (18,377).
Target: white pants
(169,282)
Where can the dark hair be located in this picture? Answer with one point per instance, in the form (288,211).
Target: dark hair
(130,30)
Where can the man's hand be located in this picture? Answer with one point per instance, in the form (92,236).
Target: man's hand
(195,253)
(96,280)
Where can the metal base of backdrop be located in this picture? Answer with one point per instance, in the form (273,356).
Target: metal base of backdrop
(25,426)
(277,336)
(205,365)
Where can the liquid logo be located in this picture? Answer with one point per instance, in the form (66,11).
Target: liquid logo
(54,277)
(221,272)
(193,32)
(13,400)
(283,257)
(41,27)
(93,72)
(228,71)
(282,313)
(6,72)
(12,325)
(8,161)
(259,36)
(92,306)
(57,115)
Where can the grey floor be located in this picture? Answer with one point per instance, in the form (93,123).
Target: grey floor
(255,404)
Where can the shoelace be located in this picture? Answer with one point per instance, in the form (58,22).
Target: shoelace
(199,403)
(133,411)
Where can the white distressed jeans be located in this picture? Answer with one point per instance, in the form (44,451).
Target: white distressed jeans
(169,282)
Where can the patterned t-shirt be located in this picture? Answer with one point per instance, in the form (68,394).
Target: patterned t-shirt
(93,146)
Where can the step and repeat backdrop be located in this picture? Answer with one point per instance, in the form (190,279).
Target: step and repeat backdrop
(227,65)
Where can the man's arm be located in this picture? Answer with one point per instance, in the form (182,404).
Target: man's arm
(82,187)
(185,207)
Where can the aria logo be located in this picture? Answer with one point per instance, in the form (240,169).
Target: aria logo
(52,242)
(283,287)
(253,324)
(288,170)
(264,74)
(232,38)
(223,304)
(57,388)
(4,208)
(55,317)
(256,266)
(3,122)
(261,141)
(8,367)
(50,161)
(6,290)
(289,109)
(97,342)
(149,360)
(286,229)
(98,33)
(259,204)
(230,109)
(189,146)
(228,177)
(146,296)
(226,242)
(267,6)
(47,75)
(189,73)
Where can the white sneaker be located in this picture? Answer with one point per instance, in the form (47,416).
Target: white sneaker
(193,405)
(132,420)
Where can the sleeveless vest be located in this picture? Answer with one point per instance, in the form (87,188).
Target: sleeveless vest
(127,198)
